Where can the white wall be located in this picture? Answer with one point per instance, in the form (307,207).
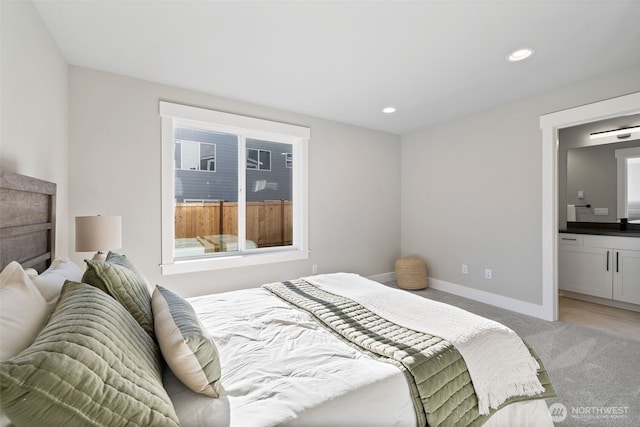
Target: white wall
(471,191)
(33,105)
(115,169)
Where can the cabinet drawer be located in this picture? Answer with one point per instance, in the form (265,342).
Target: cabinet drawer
(570,239)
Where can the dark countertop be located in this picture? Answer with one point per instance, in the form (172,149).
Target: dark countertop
(602,229)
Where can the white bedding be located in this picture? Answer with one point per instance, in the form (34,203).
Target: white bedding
(499,363)
(281,368)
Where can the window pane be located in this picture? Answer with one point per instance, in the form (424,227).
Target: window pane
(265,160)
(269,195)
(190,155)
(207,157)
(206,203)
(633,189)
(177,155)
(253,161)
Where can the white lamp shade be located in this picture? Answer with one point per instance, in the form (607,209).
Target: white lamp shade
(98,233)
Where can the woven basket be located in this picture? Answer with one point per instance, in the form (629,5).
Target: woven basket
(411,273)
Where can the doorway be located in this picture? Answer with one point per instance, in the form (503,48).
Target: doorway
(550,124)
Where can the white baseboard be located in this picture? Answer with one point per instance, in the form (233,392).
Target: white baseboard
(507,303)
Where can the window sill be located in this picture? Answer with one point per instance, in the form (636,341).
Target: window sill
(231,261)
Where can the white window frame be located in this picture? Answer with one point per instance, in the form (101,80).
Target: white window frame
(249,127)
(621,157)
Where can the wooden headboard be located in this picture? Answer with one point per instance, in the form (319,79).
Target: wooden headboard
(27,221)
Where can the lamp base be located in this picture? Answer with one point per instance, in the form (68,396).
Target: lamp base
(99,256)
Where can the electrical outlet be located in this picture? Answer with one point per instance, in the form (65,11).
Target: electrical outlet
(314,269)
(487,273)
(465,269)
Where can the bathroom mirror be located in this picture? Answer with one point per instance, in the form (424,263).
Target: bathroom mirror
(590,186)
(592,179)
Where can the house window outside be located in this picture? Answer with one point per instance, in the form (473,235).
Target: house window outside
(252,210)
(258,159)
(195,156)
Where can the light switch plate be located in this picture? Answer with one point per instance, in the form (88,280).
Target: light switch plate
(601,211)
(580,194)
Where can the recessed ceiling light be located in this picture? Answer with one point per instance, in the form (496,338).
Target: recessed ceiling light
(388,110)
(520,54)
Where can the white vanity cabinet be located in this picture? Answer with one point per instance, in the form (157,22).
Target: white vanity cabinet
(601,266)
(586,270)
(626,276)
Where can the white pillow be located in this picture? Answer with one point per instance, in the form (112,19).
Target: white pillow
(185,344)
(50,281)
(23,311)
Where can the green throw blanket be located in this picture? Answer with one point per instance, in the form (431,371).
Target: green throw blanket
(440,385)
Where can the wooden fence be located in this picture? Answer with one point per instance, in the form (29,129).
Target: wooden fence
(269,223)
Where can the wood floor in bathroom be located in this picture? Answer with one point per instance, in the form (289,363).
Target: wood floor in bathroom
(617,321)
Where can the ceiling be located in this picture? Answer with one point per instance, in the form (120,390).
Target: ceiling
(432,60)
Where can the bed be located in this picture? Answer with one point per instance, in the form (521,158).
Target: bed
(108,349)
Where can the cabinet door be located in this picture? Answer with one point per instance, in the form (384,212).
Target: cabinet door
(586,270)
(626,282)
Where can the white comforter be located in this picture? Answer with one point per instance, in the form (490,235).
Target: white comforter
(499,363)
(281,368)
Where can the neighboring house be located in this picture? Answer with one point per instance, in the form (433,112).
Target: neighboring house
(207,167)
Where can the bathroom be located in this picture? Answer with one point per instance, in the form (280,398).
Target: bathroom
(599,224)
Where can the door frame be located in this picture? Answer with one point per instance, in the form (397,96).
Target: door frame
(550,124)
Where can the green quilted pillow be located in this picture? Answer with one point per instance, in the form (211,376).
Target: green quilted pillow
(91,365)
(186,345)
(118,277)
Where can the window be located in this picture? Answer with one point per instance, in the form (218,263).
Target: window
(628,160)
(194,156)
(252,210)
(258,159)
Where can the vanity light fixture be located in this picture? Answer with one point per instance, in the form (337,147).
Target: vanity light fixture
(389,110)
(620,133)
(520,54)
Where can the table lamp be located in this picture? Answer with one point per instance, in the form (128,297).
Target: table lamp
(98,233)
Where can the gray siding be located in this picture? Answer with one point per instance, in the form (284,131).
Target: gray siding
(274,184)
(223,183)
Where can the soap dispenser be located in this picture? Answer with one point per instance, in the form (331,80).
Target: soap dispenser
(623,223)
